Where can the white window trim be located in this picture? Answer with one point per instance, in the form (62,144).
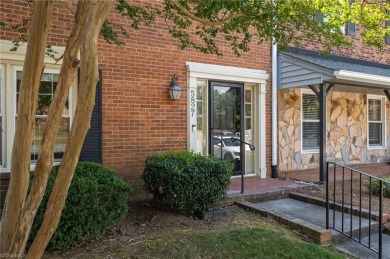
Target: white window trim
(307,151)
(70,101)
(48,70)
(10,62)
(383,117)
(257,77)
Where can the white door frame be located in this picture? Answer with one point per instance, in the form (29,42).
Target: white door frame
(256,77)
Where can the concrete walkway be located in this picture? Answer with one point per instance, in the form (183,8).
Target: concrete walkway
(261,189)
(312,219)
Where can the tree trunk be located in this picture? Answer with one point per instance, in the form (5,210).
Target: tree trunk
(28,98)
(45,158)
(81,124)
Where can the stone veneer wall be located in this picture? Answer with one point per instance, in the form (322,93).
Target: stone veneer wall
(346,132)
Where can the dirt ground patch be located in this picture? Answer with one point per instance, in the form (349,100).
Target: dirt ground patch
(145,222)
(320,191)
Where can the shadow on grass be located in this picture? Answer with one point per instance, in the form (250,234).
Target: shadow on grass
(236,243)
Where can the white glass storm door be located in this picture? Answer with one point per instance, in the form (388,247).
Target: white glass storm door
(227,123)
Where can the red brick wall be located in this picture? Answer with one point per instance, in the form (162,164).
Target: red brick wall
(139,118)
(358,49)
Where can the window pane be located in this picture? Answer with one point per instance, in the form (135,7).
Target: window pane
(375,134)
(38,132)
(45,88)
(310,135)
(46,92)
(45,96)
(201,95)
(374,110)
(60,142)
(248,110)
(248,125)
(44,101)
(62,138)
(248,96)
(310,107)
(310,122)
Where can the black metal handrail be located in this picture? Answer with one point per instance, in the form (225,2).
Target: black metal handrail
(350,208)
(251,147)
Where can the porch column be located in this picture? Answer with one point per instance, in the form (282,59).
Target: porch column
(322,101)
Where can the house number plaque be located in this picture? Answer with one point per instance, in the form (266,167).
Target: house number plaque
(193,102)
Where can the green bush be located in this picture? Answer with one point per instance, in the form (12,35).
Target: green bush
(375,187)
(188,182)
(96,201)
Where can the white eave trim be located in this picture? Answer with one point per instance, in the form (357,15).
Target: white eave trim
(362,77)
(226,73)
(20,53)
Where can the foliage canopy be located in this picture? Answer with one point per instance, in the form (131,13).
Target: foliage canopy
(201,24)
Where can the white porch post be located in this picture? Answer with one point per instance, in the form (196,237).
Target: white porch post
(262,131)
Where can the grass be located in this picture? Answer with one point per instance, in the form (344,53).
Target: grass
(233,243)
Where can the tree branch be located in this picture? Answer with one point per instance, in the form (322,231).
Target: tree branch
(27,105)
(200,20)
(86,100)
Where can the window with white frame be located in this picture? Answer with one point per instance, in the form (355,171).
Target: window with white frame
(47,88)
(310,122)
(201,117)
(11,66)
(376,124)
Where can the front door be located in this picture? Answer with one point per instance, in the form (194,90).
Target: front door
(226,123)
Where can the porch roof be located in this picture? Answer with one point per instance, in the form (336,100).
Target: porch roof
(301,68)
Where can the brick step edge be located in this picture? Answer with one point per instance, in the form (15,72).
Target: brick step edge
(263,195)
(319,235)
(355,210)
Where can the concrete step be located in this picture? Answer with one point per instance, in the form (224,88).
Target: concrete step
(310,220)
(318,234)
(353,248)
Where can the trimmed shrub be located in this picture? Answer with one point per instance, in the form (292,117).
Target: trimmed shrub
(96,201)
(189,183)
(375,187)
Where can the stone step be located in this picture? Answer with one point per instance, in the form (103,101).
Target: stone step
(310,220)
(354,210)
(353,248)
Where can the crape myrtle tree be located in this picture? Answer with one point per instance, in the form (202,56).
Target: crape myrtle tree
(198,24)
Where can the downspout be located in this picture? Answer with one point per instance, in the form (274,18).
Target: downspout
(274,100)
(274,166)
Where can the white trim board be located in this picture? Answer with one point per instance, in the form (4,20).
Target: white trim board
(257,77)
(226,73)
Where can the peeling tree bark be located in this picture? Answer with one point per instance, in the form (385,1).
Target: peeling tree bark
(80,126)
(28,98)
(45,158)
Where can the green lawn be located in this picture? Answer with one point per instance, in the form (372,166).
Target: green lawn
(233,243)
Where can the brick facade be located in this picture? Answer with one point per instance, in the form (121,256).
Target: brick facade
(139,118)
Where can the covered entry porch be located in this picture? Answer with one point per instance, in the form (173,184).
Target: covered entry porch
(331,108)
